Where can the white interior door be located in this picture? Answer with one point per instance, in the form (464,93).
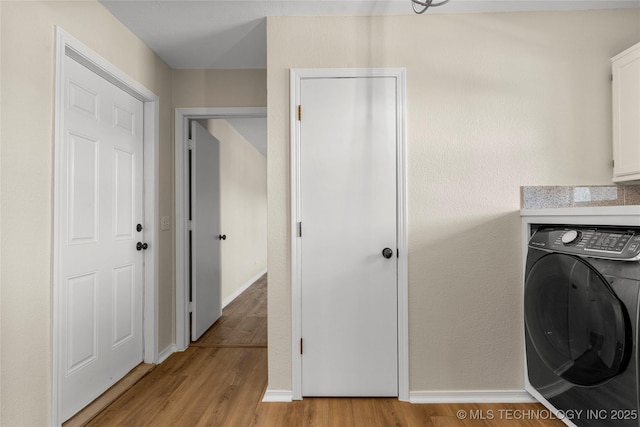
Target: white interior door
(348,214)
(101,203)
(206,292)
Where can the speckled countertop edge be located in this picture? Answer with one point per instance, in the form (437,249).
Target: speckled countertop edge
(543,197)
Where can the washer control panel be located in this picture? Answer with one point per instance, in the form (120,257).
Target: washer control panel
(609,243)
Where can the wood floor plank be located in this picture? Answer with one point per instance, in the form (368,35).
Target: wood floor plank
(279,414)
(243,321)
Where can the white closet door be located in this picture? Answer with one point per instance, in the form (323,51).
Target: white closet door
(348,213)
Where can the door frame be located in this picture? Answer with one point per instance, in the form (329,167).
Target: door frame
(182,117)
(67,45)
(296,76)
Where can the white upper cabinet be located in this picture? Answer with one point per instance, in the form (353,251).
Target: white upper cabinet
(626,115)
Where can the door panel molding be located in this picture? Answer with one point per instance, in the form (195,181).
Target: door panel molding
(296,75)
(68,46)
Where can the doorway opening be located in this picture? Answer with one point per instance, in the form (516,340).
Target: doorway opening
(220,123)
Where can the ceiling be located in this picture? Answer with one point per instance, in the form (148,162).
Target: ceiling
(231,34)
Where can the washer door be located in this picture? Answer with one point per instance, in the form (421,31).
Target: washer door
(578,326)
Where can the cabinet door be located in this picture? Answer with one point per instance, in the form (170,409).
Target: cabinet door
(626,115)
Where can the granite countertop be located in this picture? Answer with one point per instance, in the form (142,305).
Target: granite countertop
(543,197)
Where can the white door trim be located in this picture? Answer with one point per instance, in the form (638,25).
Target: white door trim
(68,45)
(403,301)
(182,117)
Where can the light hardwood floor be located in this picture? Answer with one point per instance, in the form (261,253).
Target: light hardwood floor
(220,380)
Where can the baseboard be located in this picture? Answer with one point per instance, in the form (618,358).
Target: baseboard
(277,396)
(417,397)
(243,288)
(168,351)
(481,396)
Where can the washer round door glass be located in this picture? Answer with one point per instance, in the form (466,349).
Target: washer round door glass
(577,324)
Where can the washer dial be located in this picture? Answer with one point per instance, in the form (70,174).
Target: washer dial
(570,237)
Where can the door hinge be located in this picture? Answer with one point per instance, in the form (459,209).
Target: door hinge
(189,144)
(190,308)
(300,229)
(301,348)
(299,112)
(611,77)
(189,225)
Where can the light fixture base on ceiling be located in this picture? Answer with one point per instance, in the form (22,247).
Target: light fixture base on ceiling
(425,4)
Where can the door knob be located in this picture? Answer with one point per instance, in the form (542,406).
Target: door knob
(141,246)
(222,237)
(387,253)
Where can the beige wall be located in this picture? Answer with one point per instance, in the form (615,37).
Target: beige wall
(27,84)
(495,101)
(219,88)
(243,201)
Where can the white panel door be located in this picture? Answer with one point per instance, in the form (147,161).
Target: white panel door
(348,214)
(206,290)
(101,203)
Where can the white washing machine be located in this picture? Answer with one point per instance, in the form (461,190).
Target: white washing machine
(581,313)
